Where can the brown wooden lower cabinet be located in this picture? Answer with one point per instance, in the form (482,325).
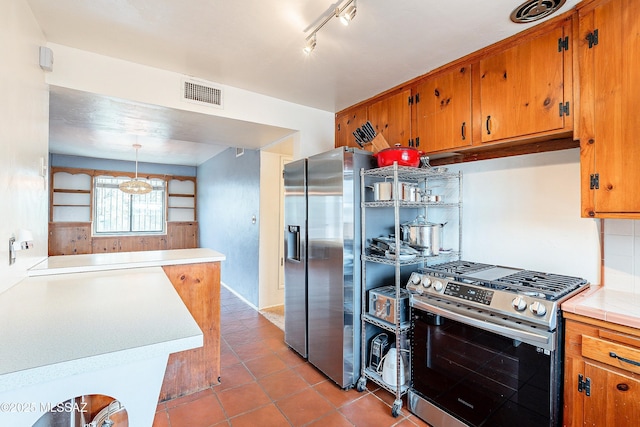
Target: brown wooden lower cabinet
(74,238)
(601,374)
(193,370)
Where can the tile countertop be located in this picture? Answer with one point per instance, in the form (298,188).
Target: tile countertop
(55,326)
(120,260)
(601,303)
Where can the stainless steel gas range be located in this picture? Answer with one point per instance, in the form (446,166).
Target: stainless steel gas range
(487,344)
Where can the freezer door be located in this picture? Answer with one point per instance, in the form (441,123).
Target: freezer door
(295,263)
(334,263)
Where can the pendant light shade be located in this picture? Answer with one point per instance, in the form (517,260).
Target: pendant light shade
(136,186)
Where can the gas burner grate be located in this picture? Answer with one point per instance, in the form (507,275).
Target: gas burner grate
(552,286)
(458,268)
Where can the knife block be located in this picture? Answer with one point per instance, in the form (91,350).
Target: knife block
(377,144)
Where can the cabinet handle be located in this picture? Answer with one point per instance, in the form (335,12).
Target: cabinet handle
(622,387)
(488,123)
(464,126)
(622,359)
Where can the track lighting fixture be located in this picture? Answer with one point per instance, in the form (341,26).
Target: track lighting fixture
(346,13)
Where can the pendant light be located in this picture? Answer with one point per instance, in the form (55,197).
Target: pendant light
(135,186)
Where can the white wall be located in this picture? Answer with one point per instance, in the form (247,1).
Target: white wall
(90,72)
(24,125)
(524,211)
(622,255)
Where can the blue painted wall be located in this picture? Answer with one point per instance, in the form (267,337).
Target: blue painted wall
(63,160)
(228,198)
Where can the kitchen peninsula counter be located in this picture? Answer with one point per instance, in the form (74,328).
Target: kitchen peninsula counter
(107,332)
(139,324)
(602,303)
(195,275)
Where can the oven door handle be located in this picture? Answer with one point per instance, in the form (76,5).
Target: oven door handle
(543,341)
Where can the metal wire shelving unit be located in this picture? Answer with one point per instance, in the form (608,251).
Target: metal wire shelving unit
(425,178)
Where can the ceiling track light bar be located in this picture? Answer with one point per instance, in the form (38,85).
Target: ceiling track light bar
(339,12)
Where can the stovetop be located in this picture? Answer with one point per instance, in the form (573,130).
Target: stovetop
(544,285)
(515,294)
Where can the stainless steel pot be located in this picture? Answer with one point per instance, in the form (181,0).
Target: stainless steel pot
(423,235)
(382,190)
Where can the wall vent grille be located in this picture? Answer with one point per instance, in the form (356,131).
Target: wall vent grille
(202,93)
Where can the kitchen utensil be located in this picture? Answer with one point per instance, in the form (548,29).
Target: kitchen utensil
(405,156)
(369,130)
(377,350)
(383,301)
(359,140)
(409,192)
(390,367)
(382,190)
(432,198)
(422,234)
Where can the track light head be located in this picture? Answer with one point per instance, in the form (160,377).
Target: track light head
(347,16)
(311,44)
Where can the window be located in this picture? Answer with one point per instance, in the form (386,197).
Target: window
(116,212)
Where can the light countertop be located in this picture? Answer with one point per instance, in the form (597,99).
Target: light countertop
(122,260)
(609,305)
(53,326)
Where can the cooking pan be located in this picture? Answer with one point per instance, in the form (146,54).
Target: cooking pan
(405,156)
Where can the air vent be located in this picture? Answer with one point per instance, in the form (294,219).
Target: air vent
(202,93)
(239,151)
(533,10)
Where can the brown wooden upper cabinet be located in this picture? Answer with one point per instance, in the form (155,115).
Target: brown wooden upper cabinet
(522,90)
(442,111)
(609,123)
(391,117)
(347,122)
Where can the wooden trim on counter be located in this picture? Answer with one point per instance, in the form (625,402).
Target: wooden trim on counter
(193,370)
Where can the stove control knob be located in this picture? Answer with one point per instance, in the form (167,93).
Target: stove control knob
(519,303)
(438,285)
(538,309)
(415,279)
(426,282)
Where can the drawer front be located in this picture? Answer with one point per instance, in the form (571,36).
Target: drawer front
(610,353)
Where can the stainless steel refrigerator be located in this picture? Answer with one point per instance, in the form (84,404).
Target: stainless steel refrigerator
(322,262)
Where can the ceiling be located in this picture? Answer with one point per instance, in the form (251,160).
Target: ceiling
(254,45)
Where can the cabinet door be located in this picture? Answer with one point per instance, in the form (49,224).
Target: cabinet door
(522,88)
(610,101)
(614,400)
(346,123)
(391,117)
(443,111)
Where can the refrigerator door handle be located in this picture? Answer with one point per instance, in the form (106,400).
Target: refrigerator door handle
(293,243)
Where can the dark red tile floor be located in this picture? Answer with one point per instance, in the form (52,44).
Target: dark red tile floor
(265,384)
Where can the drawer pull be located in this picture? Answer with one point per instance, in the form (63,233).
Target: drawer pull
(623,387)
(622,359)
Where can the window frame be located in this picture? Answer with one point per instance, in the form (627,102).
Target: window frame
(131,208)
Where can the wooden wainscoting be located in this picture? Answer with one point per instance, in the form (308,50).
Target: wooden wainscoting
(74,238)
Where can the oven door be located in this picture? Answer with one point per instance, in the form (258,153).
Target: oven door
(478,374)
